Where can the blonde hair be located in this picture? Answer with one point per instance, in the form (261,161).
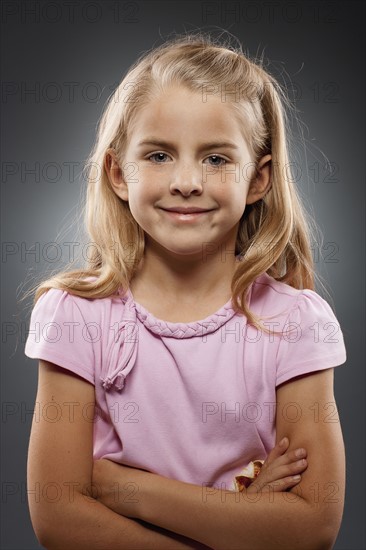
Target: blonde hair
(274,234)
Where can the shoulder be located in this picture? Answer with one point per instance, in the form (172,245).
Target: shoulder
(270,294)
(271,297)
(59,315)
(311,337)
(73,331)
(65,303)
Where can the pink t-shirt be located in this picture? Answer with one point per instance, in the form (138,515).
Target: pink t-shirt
(191,401)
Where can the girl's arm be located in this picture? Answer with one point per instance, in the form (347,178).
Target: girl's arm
(306,517)
(60,462)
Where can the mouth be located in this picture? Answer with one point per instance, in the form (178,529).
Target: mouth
(186,215)
(187,210)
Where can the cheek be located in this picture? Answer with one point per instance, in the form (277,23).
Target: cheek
(149,189)
(231,193)
(142,197)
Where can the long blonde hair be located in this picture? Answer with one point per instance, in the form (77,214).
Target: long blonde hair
(275,233)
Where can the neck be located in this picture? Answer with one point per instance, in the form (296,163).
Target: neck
(187,278)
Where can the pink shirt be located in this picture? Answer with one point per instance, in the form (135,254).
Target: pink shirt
(191,401)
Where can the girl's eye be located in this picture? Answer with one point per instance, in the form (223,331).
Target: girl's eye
(157,155)
(216,157)
(157,158)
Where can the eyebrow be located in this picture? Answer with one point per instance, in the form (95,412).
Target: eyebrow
(203,147)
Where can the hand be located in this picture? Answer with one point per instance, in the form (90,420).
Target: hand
(117,486)
(276,474)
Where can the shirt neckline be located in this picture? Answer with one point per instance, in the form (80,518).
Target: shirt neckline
(160,327)
(209,324)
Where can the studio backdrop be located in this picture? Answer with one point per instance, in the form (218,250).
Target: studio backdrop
(60,63)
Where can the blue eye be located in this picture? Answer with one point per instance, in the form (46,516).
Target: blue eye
(219,158)
(159,155)
(154,155)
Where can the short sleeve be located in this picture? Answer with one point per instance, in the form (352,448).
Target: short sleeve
(59,334)
(311,339)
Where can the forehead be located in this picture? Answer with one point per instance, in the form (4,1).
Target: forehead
(179,111)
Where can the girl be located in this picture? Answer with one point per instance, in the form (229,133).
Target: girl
(174,365)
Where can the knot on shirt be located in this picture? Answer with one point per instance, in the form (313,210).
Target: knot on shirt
(122,352)
(118,381)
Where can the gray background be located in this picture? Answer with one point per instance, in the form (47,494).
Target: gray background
(318,46)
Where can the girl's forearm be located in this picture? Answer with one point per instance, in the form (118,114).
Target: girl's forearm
(228,520)
(188,543)
(87,524)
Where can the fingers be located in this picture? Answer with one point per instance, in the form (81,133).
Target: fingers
(277,481)
(278,450)
(282,457)
(280,467)
(290,469)
(296,454)
(288,464)
(279,485)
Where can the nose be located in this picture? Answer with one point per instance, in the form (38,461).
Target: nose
(186,180)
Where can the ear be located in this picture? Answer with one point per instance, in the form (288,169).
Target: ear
(115,174)
(261,182)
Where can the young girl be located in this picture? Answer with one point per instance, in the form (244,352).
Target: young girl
(174,365)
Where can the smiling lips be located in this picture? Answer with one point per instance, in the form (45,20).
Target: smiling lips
(186,209)
(186,214)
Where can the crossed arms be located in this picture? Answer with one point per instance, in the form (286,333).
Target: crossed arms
(170,514)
